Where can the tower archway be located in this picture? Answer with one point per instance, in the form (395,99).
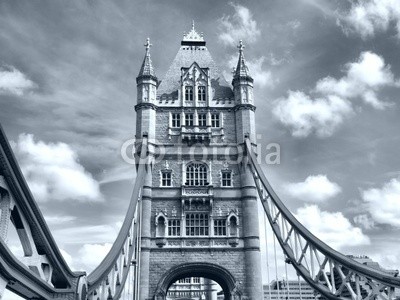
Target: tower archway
(220,275)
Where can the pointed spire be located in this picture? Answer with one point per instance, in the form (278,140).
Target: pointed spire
(241,70)
(147,66)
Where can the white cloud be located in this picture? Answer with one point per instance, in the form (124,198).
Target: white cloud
(304,115)
(239,26)
(329,103)
(59,220)
(104,233)
(332,228)
(384,203)
(262,77)
(295,24)
(364,221)
(67,257)
(91,255)
(363,78)
(13,81)
(317,188)
(53,171)
(370,16)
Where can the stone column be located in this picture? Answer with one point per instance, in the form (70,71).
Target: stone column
(146,236)
(253,284)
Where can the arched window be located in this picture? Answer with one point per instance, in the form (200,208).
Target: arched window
(189,93)
(201,93)
(196,174)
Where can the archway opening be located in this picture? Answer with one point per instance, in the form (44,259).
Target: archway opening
(219,278)
(195,288)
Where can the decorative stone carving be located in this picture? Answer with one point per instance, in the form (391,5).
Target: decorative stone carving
(173,212)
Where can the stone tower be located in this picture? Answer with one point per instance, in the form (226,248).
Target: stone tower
(199,202)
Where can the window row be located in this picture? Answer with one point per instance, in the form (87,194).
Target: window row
(197,224)
(189,121)
(189,280)
(201,93)
(197,175)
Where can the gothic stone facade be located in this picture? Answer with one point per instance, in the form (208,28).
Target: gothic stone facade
(199,207)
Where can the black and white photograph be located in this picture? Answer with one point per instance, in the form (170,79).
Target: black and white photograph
(199,150)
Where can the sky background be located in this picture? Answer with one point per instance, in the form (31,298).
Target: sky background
(326,88)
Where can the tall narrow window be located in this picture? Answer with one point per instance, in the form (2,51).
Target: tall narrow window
(196,279)
(196,174)
(176,120)
(215,122)
(166,178)
(202,120)
(174,227)
(189,93)
(219,227)
(189,119)
(197,224)
(201,93)
(226,178)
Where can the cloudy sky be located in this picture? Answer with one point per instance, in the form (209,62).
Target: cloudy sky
(327,80)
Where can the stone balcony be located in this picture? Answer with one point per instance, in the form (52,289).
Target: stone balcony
(196,134)
(197,191)
(193,134)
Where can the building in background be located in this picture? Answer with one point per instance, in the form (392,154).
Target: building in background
(193,288)
(288,290)
(365,260)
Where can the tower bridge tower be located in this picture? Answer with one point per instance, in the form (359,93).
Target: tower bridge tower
(199,206)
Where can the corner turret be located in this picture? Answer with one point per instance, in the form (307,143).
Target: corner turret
(147,80)
(243,90)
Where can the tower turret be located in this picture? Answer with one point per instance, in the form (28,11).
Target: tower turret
(147,80)
(147,83)
(243,90)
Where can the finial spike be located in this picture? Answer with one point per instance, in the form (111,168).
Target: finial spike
(148,45)
(193,25)
(241,46)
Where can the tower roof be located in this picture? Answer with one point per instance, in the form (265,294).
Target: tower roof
(241,69)
(193,49)
(147,66)
(193,38)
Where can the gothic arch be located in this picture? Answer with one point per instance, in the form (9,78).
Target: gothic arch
(214,272)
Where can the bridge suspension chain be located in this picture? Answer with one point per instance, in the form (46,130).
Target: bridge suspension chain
(108,280)
(327,271)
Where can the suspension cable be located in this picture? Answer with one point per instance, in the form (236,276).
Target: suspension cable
(287,279)
(266,250)
(129,280)
(276,269)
